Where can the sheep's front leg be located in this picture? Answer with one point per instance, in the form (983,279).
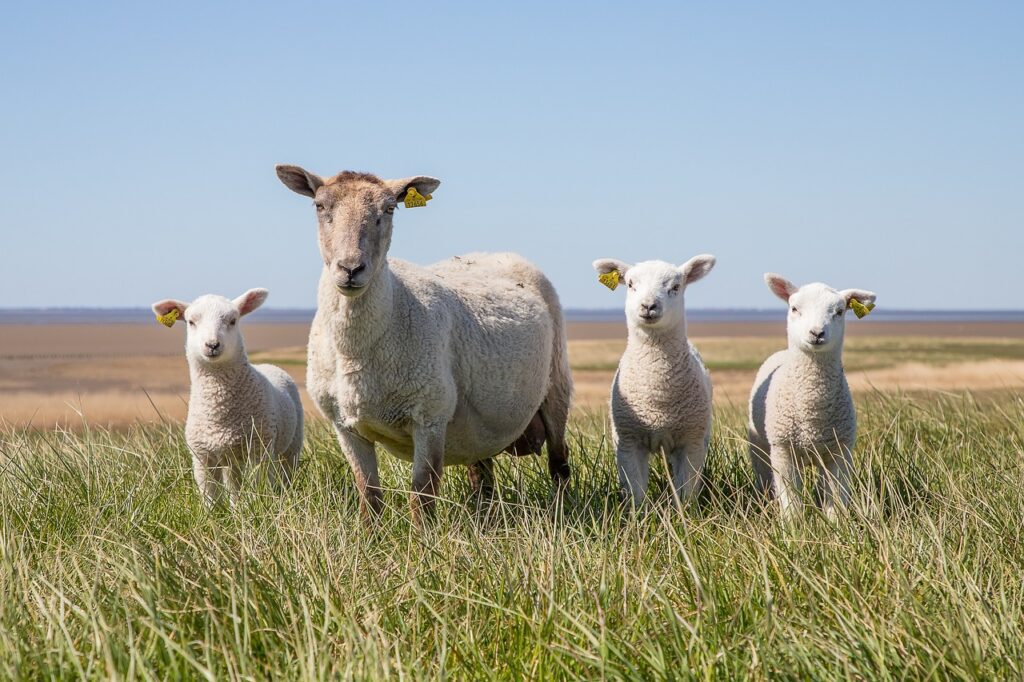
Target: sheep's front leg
(634,467)
(210,488)
(427,465)
(785,480)
(834,483)
(687,463)
(362,457)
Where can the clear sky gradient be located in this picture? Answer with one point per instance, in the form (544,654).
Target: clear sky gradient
(876,145)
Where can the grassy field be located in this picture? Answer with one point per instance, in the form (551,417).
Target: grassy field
(109,567)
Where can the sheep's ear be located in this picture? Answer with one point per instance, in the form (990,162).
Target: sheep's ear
(422,183)
(298,179)
(697,267)
(606,265)
(780,286)
(162,308)
(250,300)
(860,295)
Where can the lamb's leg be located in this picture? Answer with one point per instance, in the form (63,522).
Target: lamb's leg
(785,480)
(686,464)
(210,488)
(290,461)
(834,483)
(634,467)
(761,461)
(481,478)
(232,473)
(362,457)
(427,465)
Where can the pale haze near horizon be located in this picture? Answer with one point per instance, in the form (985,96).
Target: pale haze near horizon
(874,145)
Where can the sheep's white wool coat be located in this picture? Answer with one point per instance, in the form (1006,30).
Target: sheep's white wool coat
(661,394)
(802,402)
(468,343)
(238,413)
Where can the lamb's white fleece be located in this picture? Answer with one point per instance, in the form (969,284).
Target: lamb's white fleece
(661,394)
(239,414)
(801,410)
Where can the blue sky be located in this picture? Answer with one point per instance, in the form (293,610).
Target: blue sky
(876,145)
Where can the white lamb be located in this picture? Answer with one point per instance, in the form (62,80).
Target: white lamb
(447,364)
(661,394)
(801,411)
(239,414)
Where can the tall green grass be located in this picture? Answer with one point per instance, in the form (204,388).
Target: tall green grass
(110,567)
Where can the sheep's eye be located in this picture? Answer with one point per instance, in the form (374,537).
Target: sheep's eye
(389,209)
(319,206)
(839,312)
(674,290)
(191,323)
(232,322)
(793,309)
(629,285)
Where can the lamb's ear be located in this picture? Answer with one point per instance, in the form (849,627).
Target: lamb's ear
(606,265)
(780,286)
(424,185)
(250,300)
(697,267)
(860,295)
(298,179)
(162,308)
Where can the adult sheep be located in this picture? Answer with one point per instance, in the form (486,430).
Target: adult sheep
(446,364)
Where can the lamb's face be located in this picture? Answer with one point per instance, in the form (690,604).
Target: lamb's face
(654,294)
(354,212)
(212,330)
(654,289)
(212,334)
(817,318)
(817,313)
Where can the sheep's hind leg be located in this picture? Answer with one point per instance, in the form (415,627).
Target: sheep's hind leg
(427,466)
(362,457)
(554,413)
(481,478)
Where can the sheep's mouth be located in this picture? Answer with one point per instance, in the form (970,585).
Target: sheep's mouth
(212,353)
(650,318)
(350,289)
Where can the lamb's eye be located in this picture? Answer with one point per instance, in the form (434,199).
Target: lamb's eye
(629,285)
(794,310)
(191,323)
(839,312)
(232,323)
(319,206)
(389,209)
(674,290)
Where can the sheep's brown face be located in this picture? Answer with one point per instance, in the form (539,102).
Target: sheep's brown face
(354,212)
(355,230)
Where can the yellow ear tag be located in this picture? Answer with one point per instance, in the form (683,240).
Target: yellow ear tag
(860,309)
(414,199)
(609,279)
(169,319)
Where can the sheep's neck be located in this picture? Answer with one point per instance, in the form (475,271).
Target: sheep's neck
(224,383)
(363,320)
(671,343)
(811,364)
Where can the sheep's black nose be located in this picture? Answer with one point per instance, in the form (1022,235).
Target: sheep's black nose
(351,271)
(213,345)
(818,336)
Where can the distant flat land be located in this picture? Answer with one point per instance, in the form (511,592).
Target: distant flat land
(118,373)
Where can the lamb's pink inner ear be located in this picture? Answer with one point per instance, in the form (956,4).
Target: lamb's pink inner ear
(250,301)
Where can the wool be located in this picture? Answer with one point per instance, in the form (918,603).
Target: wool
(661,393)
(801,410)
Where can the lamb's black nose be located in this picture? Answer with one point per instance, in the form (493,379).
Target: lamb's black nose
(213,345)
(818,336)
